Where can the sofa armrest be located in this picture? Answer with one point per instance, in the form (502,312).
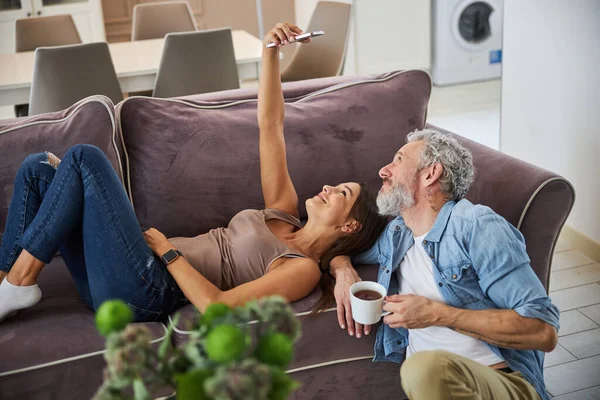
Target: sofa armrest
(534,200)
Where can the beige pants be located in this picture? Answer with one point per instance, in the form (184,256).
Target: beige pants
(433,375)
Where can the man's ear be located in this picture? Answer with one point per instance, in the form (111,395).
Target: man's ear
(433,173)
(351,226)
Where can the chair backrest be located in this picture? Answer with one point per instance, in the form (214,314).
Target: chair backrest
(155,20)
(63,75)
(325,55)
(197,62)
(55,30)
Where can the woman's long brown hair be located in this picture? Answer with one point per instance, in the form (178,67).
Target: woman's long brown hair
(366,213)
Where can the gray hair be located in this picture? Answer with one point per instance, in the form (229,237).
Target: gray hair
(458,173)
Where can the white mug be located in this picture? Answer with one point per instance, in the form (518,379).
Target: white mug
(367,312)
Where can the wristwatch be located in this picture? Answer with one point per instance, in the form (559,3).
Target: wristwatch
(170,256)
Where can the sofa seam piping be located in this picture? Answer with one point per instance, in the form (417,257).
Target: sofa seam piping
(74,358)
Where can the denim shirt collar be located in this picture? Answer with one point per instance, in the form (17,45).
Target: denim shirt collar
(439,226)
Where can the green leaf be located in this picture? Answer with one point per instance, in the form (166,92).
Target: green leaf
(275,349)
(190,386)
(281,385)
(112,316)
(164,346)
(118,382)
(139,390)
(215,313)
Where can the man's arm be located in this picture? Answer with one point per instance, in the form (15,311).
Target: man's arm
(501,328)
(525,319)
(527,316)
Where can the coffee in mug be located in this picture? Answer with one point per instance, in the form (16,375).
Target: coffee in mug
(368,295)
(366,300)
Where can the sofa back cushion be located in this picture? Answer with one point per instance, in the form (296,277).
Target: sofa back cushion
(194,163)
(90,121)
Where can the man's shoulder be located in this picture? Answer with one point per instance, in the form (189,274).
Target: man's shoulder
(468,211)
(467,216)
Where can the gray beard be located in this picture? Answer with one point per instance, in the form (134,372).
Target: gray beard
(394,201)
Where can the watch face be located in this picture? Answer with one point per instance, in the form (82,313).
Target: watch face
(169,256)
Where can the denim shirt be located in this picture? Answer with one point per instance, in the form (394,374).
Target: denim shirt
(480,263)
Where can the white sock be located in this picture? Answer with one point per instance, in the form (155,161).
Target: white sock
(14,298)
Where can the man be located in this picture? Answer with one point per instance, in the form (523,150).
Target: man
(470,313)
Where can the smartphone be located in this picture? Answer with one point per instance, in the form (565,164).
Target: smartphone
(302,37)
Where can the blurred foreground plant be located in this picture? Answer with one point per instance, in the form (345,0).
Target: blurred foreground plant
(238,353)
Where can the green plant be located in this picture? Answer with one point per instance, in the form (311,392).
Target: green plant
(231,354)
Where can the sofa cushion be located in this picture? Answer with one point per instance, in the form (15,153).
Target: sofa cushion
(90,121)
(319,331)
(351,379)
(192,165)
(58,331)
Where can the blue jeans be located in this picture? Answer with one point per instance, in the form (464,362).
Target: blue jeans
(81,209)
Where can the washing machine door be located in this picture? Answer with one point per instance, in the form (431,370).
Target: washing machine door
(474,23)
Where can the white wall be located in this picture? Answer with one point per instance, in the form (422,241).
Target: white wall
(392,35)
(551,95)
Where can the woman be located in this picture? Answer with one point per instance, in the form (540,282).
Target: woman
(78,206)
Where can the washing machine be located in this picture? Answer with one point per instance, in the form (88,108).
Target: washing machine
(467,40)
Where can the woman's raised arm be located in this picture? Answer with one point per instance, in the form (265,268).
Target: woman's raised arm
(277,187)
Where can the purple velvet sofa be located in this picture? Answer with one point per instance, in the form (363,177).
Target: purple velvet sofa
(190,164)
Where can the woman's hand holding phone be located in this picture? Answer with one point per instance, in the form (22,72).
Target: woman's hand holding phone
(283,33)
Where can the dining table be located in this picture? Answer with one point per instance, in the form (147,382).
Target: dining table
(136,65)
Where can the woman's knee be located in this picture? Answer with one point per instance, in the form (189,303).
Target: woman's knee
(86,154)
(85,151)
(36,164)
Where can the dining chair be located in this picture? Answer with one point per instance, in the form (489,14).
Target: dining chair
(63,75)
(155,20)
(55,30)
(325,55)
(196,62)
(31,33)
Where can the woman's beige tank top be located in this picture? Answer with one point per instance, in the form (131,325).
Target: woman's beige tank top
(240,253)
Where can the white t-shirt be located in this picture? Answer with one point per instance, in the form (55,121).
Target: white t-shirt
(415,276)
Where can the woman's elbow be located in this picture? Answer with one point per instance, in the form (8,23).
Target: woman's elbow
(228,298)
(202,302)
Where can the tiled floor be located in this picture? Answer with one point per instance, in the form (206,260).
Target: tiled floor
(572,370)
